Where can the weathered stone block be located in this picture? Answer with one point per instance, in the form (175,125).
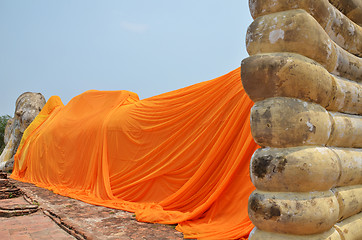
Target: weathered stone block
(257,234)
(298,169)
(350,228)
(351,8)
(351,166)
(293,213)
(289,122)
(340,29)
(293,75)
(298,32)
(349,200)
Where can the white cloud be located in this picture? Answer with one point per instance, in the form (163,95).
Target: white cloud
(134,27)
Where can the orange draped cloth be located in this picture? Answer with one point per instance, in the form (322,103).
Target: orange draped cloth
(179,157)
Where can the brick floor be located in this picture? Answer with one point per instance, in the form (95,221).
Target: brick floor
(12,201)
(83,220)
(35,226)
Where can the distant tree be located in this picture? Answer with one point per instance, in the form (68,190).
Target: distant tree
(3,121)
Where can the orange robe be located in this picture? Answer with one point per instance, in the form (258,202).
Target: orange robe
(179,157)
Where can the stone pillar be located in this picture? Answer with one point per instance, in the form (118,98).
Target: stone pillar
(304,74)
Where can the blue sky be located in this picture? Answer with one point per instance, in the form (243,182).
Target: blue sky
(149,47)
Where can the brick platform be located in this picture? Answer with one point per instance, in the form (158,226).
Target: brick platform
(66,218)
